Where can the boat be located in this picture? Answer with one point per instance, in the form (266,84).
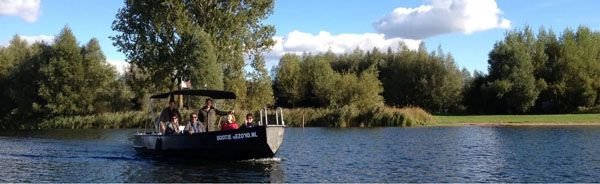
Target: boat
(262,141)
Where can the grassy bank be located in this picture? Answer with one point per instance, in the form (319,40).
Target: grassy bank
(553,119)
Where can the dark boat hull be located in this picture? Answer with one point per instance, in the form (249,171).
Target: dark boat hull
(241,144)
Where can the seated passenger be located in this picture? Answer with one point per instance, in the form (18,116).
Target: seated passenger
(230,124)
(249,122)
(166,114)
(173,125)
(194,126)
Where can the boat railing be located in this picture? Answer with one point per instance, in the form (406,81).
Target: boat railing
(264,117)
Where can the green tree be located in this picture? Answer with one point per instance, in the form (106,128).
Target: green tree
(360,92)
(511,73)
(158,36)
(78,80)
(417,78)
(576,70)
(206,71)
(321,82)
(260,93)
(65,76)
(289,81)
(10,57)
(25,80)
(236,31)
(108,93)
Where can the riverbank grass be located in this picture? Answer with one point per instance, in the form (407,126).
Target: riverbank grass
(547,119)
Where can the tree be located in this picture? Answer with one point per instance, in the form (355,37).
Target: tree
(417,78)
(158,36)
(77,80)
(108,93)
(575,71)
(236,31)
(289,81)
(10,57)
(206,71)
(321,82)
(260,93)
(65,76)
(511,78)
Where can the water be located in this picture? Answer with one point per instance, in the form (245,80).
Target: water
(420,154)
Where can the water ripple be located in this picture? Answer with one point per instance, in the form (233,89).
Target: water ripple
(420,154)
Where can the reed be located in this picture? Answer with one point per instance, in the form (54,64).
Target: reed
(114,120)
(352,117)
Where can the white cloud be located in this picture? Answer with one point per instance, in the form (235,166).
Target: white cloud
(299,42)
(121,66)
(40,38)
(441,17)
(31,39)
(28,10)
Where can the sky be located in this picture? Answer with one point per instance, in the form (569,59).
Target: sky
(467,29)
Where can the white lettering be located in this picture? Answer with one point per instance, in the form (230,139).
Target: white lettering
(237,136)
(223,137)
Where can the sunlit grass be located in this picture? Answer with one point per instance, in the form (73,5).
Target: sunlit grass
(553,118)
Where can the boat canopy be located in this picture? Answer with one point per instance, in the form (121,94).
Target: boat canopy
(214,94)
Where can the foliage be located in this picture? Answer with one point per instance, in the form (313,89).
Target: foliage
(260,92)
(63,79)
(402,78)
(165,38)
(16,52)
(289,84)
(511,78)
(416,78)
(543,74)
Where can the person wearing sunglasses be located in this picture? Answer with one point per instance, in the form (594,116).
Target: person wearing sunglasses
(194,126)
(173,125)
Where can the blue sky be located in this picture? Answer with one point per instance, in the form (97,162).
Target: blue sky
(465,28)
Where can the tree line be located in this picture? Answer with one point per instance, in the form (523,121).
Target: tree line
(527,73)
(63,79)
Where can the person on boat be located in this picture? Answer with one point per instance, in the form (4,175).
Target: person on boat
(249,122)
(173,125)
(230,124)
(167,113)
(208,115)
(194,126)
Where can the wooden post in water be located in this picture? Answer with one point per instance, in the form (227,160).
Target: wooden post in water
(302,120)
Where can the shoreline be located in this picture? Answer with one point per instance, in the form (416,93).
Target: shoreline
(517,124)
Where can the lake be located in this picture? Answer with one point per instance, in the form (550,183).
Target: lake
(413,154)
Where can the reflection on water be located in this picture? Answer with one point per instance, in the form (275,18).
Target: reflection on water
(421,154)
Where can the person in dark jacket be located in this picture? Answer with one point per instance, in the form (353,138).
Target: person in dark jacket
(208,116)
(249,123)
(173,125)
(167,113)
(194,126)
